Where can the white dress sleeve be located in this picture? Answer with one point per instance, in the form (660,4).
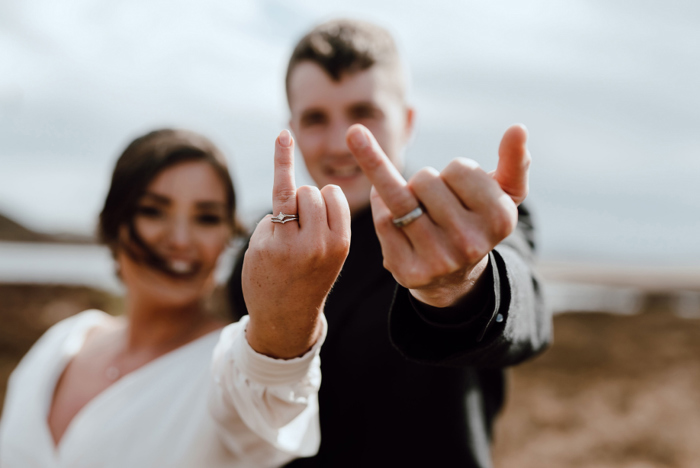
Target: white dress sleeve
(266,409)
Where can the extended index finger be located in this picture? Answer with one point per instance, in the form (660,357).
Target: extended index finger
(387,180)
(284,190)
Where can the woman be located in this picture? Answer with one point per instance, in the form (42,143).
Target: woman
(166,386)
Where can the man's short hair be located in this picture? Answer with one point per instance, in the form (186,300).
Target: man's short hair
(345,46)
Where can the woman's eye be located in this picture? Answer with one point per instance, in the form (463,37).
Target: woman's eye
(209,219)
(149,211)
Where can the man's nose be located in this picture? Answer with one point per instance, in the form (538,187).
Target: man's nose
(336,143)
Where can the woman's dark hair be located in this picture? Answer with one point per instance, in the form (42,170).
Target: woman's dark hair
(138,165)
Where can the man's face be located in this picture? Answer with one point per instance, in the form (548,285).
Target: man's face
(322,111)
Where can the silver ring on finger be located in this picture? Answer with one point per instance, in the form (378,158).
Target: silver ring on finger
(407,219)
(283,218)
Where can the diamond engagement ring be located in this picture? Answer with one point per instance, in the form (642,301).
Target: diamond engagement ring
(283,218)
(407,219)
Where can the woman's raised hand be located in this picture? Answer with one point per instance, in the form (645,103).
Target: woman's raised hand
(289,267)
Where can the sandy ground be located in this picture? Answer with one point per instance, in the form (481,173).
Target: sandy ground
(613,391)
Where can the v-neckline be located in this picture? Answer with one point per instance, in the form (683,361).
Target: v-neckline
(70,347)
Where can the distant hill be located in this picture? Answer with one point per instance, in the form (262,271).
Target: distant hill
(12,231)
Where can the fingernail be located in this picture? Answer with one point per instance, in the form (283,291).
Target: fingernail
(285,138)
(359,139)
(524,129)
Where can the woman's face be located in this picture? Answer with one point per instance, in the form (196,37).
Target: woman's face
(183,219)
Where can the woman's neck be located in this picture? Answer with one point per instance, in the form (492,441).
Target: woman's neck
(160,327)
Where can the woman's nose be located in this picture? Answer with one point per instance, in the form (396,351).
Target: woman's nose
(180,235)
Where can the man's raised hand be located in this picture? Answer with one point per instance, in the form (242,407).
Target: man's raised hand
(467,212)
(289,268)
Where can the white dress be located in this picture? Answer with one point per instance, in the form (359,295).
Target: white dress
(214,402)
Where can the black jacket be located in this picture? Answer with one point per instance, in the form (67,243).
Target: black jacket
(405,385)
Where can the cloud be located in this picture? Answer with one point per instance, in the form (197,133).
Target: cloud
(608,90)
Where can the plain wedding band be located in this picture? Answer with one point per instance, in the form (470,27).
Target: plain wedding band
(408,218)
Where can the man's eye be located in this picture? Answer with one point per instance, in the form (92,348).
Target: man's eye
(210,220)
(313,119)
(149,211)
(363,113)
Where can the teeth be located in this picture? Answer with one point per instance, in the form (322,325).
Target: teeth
(180,266)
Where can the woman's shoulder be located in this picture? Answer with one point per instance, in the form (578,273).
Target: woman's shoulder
(77,324)
(67,334)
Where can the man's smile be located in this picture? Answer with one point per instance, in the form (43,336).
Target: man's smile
(342,171)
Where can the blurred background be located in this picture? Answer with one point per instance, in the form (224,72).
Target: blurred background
(610,91)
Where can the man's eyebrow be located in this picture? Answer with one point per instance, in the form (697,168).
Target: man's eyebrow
(364,106)
(160,199)
(311,111)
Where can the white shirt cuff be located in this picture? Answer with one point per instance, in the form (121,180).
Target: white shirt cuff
(270,371)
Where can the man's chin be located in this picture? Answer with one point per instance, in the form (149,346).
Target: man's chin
(356,190)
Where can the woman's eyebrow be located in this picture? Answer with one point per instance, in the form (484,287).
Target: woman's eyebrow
(160,199)
(211,205)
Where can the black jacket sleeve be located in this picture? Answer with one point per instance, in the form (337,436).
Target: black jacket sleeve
(502,322)
(235,286)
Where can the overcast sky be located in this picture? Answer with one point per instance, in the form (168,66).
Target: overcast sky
(610,91)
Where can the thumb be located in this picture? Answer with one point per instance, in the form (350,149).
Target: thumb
(513,163)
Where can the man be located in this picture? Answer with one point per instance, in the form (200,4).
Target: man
(432,302)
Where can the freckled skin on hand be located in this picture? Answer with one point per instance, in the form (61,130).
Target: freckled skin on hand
(299,261)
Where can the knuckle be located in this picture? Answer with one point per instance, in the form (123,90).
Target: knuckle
(423,178)
(462,241)
(286,195)
(339,243)
(473,253)
(502,223)
(384,222)
(419,276)
(308,190)
(387,265)
(283,162)
(331,189)
(470,247)
(397,268)
(371,160)
(438,269)
(404,204)
(461,167)
(446,266)
(316,253)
